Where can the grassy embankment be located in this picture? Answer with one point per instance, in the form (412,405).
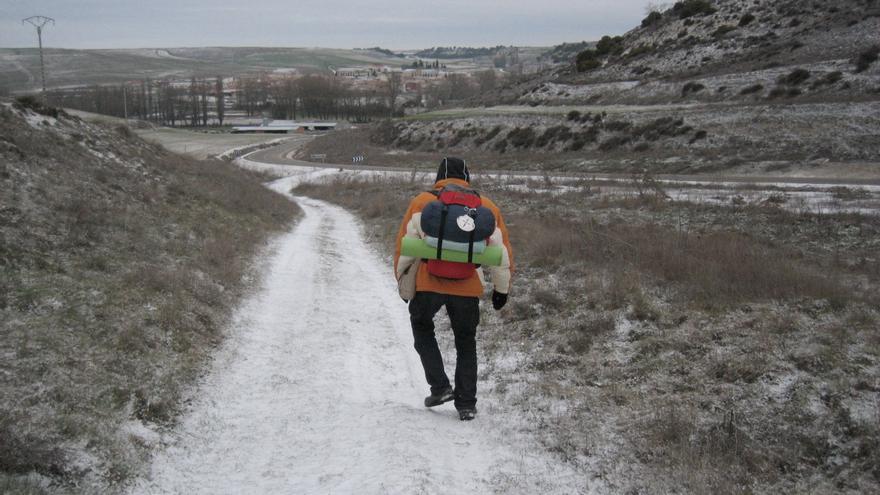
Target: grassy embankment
(667,346)
(120,265)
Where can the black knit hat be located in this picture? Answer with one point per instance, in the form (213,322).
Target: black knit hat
(453,168)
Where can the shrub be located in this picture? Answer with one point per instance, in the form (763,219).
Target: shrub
(550,299)
(699,135)
(754,88)
(587,117)
(609,46)
(653,18)
(587,330)
(691,87)
(691,8)
(722,30)
(781,91)
(614,142)
(552,134)
(573,115)
(522,137)
(641,50)
(587,61)
(664,126)
(828,79)
(832,77)
(794,78)
(577,144)
(34,104)
(867,58)
(746,19)
(776,92)
(616,125)
(124,131)
(385,133)
(488,137)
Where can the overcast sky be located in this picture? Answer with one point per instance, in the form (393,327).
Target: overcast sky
(395,24)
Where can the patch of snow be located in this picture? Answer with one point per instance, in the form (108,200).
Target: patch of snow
(242,150)
(38,121)
(780,388)
(141,431)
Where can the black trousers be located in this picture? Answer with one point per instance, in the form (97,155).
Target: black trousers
(464,314)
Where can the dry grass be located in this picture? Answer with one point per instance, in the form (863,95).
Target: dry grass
(117,278)
(691,344)
(712,269)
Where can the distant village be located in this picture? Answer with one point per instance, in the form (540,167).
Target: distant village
(355,93)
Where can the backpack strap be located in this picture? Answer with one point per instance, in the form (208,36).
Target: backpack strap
(443,214)
(471,247)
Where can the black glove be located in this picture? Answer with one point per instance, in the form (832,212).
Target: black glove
(498,300)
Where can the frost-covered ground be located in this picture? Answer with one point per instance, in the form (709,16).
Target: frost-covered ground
(116,280)
(201,145)
(670,347)
(318,390)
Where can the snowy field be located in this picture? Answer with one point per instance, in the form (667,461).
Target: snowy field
(202,145)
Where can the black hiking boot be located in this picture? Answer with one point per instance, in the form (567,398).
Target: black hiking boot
(441,397)
(467,414)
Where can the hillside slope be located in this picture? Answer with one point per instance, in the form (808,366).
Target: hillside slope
(732,36)
(119,265)
(730,50)
(733,86)
(20,67)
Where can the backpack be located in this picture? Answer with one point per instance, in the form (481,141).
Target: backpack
(457,215)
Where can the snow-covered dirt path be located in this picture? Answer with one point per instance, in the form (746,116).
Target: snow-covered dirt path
(318,390)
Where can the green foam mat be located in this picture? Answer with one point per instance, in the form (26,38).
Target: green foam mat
(418,248)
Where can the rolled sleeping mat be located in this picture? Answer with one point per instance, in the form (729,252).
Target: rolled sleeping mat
(483,222)
(418,248)
(479,247)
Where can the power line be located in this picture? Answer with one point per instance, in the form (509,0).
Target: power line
(38,21)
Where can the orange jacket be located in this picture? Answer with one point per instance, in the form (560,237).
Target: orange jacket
(470,287)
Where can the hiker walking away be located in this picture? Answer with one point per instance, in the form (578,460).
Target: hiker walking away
(457,286)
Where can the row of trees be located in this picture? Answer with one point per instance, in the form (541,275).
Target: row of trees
(420,64)
(172,103)
(201,102)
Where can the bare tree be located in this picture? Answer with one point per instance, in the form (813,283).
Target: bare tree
(193,102)
(246,95)
(203,97)
(151,112)
(221,103)
(458,87)
(486,80)
(285,93)
(393,86)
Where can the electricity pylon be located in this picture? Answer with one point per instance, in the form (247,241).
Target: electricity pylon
(38,21)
